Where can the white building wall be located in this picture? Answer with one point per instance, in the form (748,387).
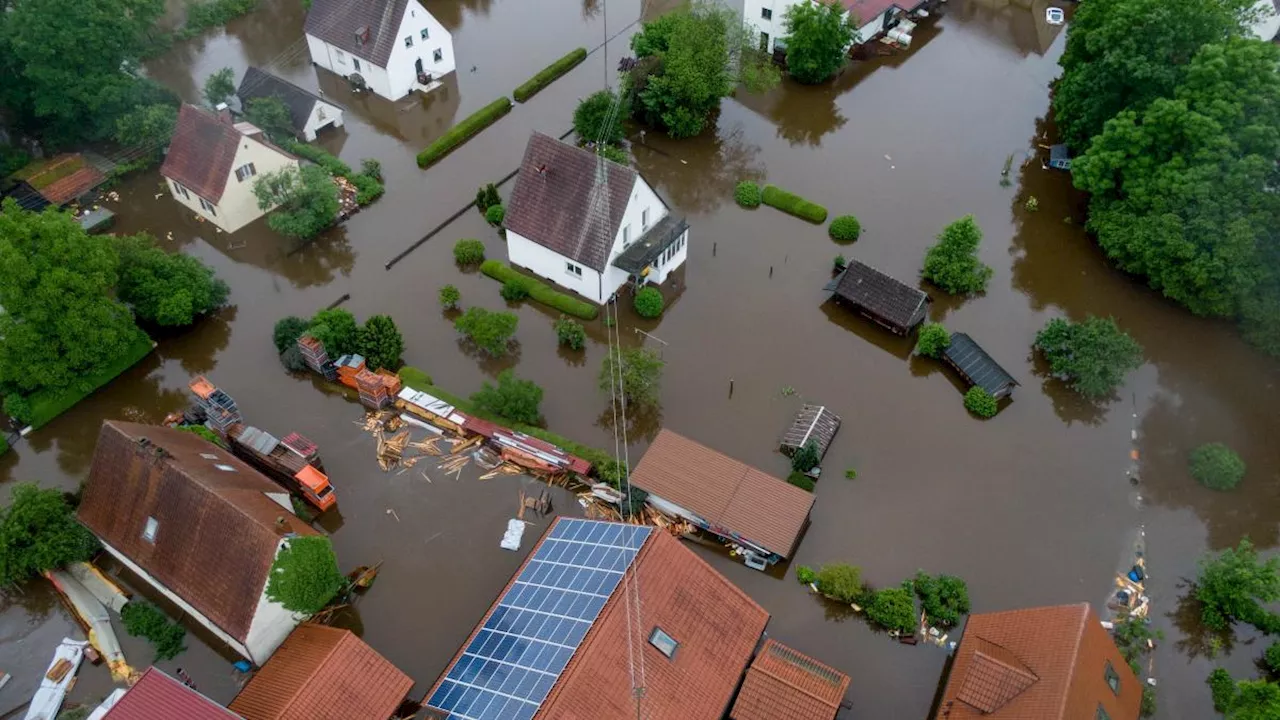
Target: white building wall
(753,15)
(402,68)
(1267,24)
(239,206)
(271,624)
(341,62)
(551,265)
(664,266)
(322,115)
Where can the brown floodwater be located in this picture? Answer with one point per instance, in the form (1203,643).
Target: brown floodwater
(1032,507)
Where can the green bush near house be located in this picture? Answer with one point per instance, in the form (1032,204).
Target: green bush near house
(204,432)
(800,480)
(514,291)
(142,619)
(893,609)
(570,333)
(805,574)
(449,297)
(649,302)
(549,74)
(1216,466)
(845,228)
(540,291)
(747,194)
(792,204)
(368,185)
(464,131)
(468,251)
(980,402)
(495,214)
(840,581)
(932,340)
(45,405)
(318,156)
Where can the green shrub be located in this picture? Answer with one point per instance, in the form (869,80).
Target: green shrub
(463,131)
(944,598)
(800,480)
(893,609)
(1272,658)
(595,121)
(1222,688)
(649,302)
(1092,356)
(511,398)
(851,474)
(840,581)
(806,575)
(747,194)
(952,263)
(468,251)
(292,359)
(1032,204)
(204,432)
(514,291)
(319,156)
(840,262)
(372,168)
(1216,466)
(614,153)
(142,619)
(774,196)
(18,407)
(486,197)
(368,189)
(495,214)
(413,377)
(449,297)
(540,291)
(980,402)
(490,331)
(1148,707)
(549,74)
(845,228)
(287,331)
(368,183)
(304,576)
(612,472)
(805,457)
(570,333)
(932,340)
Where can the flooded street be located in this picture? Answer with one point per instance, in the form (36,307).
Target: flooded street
(1032,507)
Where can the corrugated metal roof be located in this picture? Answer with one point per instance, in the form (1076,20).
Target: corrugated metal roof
(977,366)
(156,696)
(260,440)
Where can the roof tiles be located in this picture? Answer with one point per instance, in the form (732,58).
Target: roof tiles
(892,300)
(340,22)
(785,684)
(201,152)
(156,696)
(260,83)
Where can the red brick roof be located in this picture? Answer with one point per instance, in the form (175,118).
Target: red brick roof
(323,673)
(1044,663)
(203,149)
(157,696)
(785,684)
(725,492)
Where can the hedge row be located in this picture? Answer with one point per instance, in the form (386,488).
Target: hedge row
(48,404)
(463,131)
(549,74)
(539,290)
(367,187)
(793,204)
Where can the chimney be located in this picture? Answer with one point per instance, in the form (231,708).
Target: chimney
(541,169)
(224,113)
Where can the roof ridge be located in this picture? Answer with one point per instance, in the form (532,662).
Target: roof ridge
(319,664)
(771,642)
(1077,641)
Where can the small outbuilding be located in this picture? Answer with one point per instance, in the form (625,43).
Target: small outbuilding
(977,367)
(785,684)
(307,111)
(1059,157)
(813,423)
(884,300)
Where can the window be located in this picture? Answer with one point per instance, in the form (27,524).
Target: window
(572,269)
(425,33)
(1113,678)
(665,643)
(1102,713)
(208,207)
(320,112)
(438,55)
(626,235)
(766,14)
(224,468)
(208,456)
(245,172)
(644,218)
(356,63)
(149,532)
(178,189)
(339,56)
(408,41)
(764,42)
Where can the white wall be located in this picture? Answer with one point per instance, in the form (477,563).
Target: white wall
(341,62)
(1268,23)
(237,207)
(775,27)
(322,115)
(401,66)
(663,266)
(550,265)
(271,624)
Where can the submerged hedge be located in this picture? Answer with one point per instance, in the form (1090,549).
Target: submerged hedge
(47,404)
(549,74)
(464,131)
(539,290)
(775,196)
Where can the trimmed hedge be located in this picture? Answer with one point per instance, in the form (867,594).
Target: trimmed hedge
(549,74)
(463,131)
(791,204)
(747,194)
(845,228)
(49,404)
(539,290)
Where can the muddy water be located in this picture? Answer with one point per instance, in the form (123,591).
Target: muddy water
(1032,507)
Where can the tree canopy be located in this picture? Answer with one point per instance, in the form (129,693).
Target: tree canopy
(164,288)
(380,342)
(272,116)
(512,398)
(305,576)
(817,35)
(952,263)
(1236,585)
(641,375)
(592,121)
(219,86)
(1244,699)
(337,329)
(305,200)
(38,532)
(147,129)
(490,331)
(1092,356)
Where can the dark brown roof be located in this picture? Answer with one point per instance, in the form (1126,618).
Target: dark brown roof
(156,696)
(868,289)
(323,673)
(551,204)
(726,493)
(1044,663)
(785,684)
(63,178)
(201,152)
(977,366)
(338,22)
(217,534)
(260,83)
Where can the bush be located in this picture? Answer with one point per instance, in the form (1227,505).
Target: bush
(39,532)
(649,302)
(204,432)
(514,291)
(487,197)
(570,333)
(850,474)
(380,342)
(368,189)
(287,331)
(18,408)
(747,194)
(591,116)
(1216,466)
(495,214)
(840,262)
(549,74)
(468,251)
(1272,658)
(980,402)
(540,291)
(841,582)
(319,156)
(640,369)
(800,480)
(893,609)
(372,168)
(463,131)
(142,619)
(806,575)
(292,359)
(932,340)
(1148,707)
(1223,689)
(774,196)
(944,598)
(490,331)
(305,576)
(1092,356)
(511,398)
(805,458)
(449,297)
(952,263)
(614,153)
(612,472)
(845,228)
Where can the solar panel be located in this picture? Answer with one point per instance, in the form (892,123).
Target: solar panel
(511,664)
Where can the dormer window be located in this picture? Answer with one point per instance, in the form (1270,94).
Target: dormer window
(362,35)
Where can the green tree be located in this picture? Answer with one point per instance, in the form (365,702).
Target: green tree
(1092,356)
(287,331)
(38,532)
(806,457)
(640,373)
(487,197)
(305,200)
(570,333)
(142,619)
(1216,466)
(495,214)
(449,297)
(845,229)
(932,340)
(944,598)
(147,129)
(270,115)
(163,288)
(649,302)
(338,330)
(1244,699)
(893,609)
(490,331)
(1235,587)
(220,86)
(818,35)
(595,121)
(840,581)
(305,576)
(380,342)
(952,263)
(747,194)
(1272,658)
(980,402)
(511,398)
(60,322)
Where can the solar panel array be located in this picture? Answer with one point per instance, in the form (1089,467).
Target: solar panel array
(509,667)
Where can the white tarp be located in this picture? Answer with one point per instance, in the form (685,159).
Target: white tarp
(107,703)
(511,538)
(48,699)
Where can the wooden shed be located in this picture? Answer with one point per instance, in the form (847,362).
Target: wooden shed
(886,301)
(977,367)
(813,423)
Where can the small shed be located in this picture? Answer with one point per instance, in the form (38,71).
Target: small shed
(886,301)
(1059,157)
(976,366)
(813,423)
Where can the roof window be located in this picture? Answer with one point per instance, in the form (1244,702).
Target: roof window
(663,642)
(224,468)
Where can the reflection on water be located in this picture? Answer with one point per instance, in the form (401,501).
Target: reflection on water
(419,118)
(1019,24)
(698,176)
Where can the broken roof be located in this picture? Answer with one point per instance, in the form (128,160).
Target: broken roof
(260,83)
(216,533)
(156,696)
(63,178)
(323,672)
(364,28)
(977,366)
(552,203)
(892,300)
(785,684)
(201,152)
(726,493)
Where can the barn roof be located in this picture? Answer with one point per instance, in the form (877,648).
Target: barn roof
(977,366)
(868,289)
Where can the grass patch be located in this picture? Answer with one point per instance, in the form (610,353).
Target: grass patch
(49,404)
(463,131)
(539,290)
(4,445)
(792,204)
(43,173)
(800,480)
(549,74)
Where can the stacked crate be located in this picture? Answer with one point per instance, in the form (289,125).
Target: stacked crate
(220,409)
(348,367)
(314,355)
(374,391)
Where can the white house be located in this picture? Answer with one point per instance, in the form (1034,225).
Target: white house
(308,113)
(198,525)
(393,47)
(593,243)
(873,17)
(1266,21)
(212,162)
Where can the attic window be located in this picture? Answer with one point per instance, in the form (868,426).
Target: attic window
(663,642)
(224,468)
(149,532)
(1113,678)
(1102,713)
(208,456)
(362,35)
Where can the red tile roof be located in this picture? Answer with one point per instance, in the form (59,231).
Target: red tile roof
(323,673)
(63,178)
(1044,663)
(726,493)
(201,152)
(156,696)
(785,684)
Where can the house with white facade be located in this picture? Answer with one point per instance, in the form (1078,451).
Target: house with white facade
(1265,24)
(593,242)
(212,162)
(873,18)
(198,525)
(391,47)
(308,112)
